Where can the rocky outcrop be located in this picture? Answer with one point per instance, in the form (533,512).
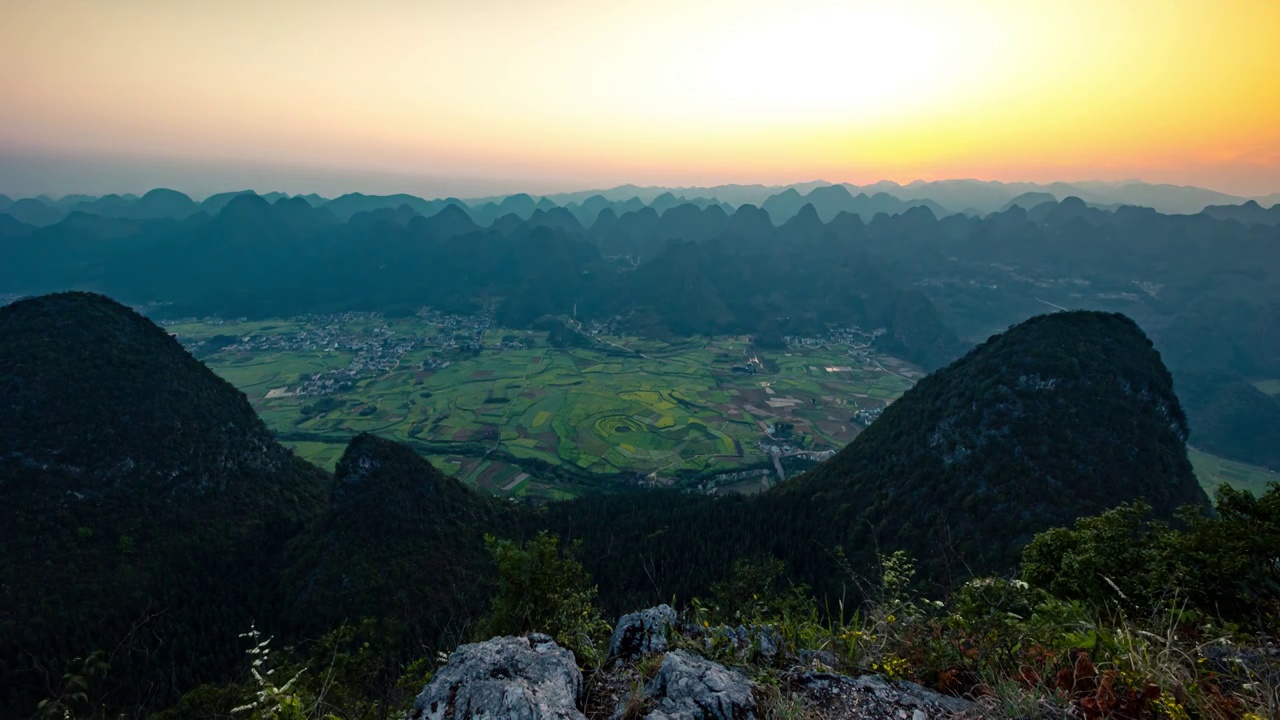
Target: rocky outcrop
(532,678)
(689,687)
(758,643)
(871,696)
(642,633)
(521,678)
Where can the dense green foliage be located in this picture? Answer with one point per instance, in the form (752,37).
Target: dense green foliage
(141,503)
(1021,649)
(1060,417)
(400,542)
(1222,565)
(354,672)
(88,384)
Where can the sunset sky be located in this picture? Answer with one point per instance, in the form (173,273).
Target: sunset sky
(505,95)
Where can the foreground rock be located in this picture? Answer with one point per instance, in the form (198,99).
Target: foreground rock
(533,678)
(688,687)
(642,633)
(521,678)
(753,643)
(872,697)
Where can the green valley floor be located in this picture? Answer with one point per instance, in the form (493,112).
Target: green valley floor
(507,412)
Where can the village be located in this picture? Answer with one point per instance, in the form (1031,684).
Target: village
(859,342)
(376,347)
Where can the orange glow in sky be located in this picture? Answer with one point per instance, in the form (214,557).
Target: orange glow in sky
(580,94)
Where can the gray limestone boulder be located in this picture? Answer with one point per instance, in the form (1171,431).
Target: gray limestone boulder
(521,678)
(689,687)
(871,697)
(642,633)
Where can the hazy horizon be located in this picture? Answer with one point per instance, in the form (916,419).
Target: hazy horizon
(61,177)
(497,96)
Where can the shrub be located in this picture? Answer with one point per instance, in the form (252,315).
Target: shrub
(542,588)
(1226,565)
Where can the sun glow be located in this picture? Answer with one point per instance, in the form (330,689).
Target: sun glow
(663,91)
(830,62)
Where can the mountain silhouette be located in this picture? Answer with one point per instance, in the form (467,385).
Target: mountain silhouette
(831,200)
(135,486)
(1249,213)
(1062,416)
(163,203)
(1028,200)
(399,539)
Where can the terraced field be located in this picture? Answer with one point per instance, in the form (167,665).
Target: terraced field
(503,412)
(1213,471)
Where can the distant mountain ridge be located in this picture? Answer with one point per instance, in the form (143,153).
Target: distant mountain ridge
(291,257)
(957,195)
(831,200)
(942,197)
(1250,213)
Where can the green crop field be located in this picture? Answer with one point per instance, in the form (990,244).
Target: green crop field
(622,408)
(1270,386)
(1213,471)
(514,416)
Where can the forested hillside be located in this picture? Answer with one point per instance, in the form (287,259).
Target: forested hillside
(400,542)
(143,504)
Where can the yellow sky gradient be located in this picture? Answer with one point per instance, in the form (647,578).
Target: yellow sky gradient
(688,92)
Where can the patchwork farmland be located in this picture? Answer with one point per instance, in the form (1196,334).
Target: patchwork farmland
(507,412)
(501,408)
